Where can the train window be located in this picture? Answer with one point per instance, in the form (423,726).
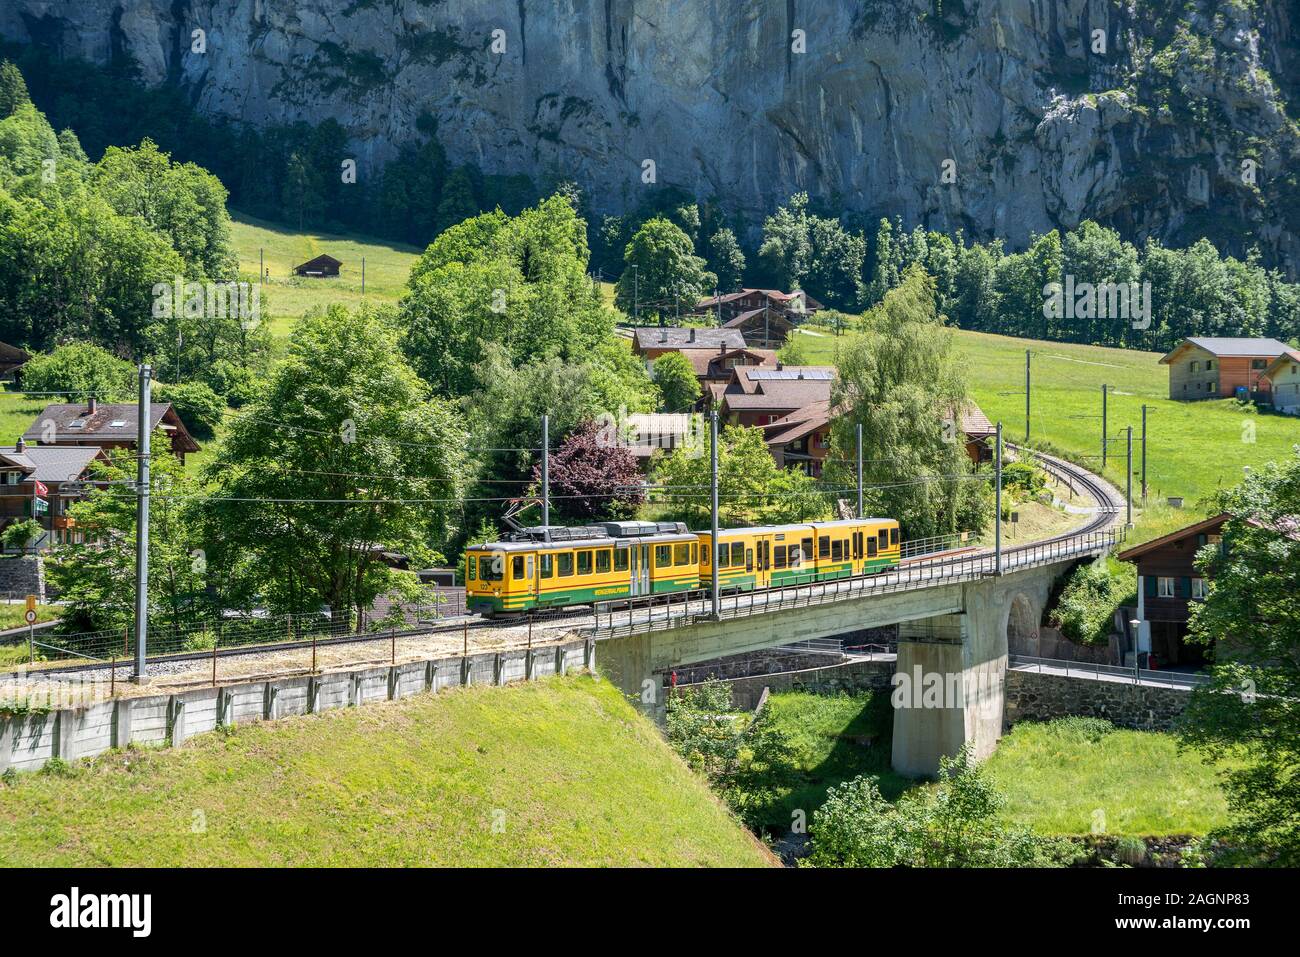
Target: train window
(682,554)
(806,547)
(824,548)
(837,551)
(893,536)
(749,559)
(620,559)
(490,568)
(695,553)
(796,556)
(663,556)
(472,566)
(871,547)
(566,564)
(548,566)
(737,554)
(884,538)
(723,553)
(584,563)
(602,560)
(780,556)
(517,568)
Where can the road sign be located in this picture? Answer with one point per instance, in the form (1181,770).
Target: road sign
(30,616)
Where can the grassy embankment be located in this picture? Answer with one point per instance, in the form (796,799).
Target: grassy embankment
(551,773)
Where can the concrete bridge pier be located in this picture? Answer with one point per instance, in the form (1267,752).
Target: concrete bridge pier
(951,672)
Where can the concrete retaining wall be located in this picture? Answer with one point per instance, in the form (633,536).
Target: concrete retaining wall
(1032,696)
(27,741)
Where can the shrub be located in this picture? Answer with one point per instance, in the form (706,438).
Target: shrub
(18,534)
(199,407)
(1092,594)
(81,369)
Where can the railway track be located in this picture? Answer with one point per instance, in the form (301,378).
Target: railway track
(1108,505)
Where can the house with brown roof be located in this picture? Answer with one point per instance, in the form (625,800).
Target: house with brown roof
(1213,368)
(39,481)
(802,438)
(652,342)
(795,305)
(12,359)
(322,265)
(107,426)
(977,430)
(762,395)
(1283,375)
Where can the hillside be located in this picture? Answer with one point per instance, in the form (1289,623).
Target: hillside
(558,772)
(1193,448)
(287,297)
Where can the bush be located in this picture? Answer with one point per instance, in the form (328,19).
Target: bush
(80,369)
(1024,478)
(953,824)
(199,407)
(18,534)
(1091,596)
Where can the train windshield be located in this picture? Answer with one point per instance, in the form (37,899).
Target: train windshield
(491,568)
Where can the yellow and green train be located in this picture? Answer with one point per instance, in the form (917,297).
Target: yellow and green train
(633,559)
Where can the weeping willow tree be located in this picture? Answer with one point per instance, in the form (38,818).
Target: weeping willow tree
(902,382)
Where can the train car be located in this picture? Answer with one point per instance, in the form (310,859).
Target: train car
(581,566)
(774,556)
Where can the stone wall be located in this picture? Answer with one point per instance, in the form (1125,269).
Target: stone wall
(850,677)
(22,575)
(1031,696)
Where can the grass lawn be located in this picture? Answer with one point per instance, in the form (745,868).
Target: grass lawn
(1193,448)
(286,297)
(834,738)
(11,613)
(1060,781)
(550,773)
(17,413)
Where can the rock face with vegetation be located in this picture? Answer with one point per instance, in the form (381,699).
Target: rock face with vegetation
(1164,118)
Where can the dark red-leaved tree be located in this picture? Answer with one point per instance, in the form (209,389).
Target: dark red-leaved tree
(593,479)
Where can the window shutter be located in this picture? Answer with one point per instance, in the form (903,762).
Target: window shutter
(1185,587)
(1150,583)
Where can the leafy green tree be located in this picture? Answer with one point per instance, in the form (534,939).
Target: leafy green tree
(1086,610)
(669,277)
(345,456)
(902,382)
(96,579)
(13,89)
(751,489)
(519,283)
(725,259)
(592,479)
(182,201)
(675,377)
(746,760)
(80,370)
(199,407)
(802,250)
(17,535)
(1251,620)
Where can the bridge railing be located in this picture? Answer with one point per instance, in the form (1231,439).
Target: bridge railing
(617,619)
(1097,671)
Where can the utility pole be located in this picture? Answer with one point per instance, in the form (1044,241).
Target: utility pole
(142,525)
(713,512)
(261,264)
(1027,355)
(546,477)
(1144,454)
(1104,434)
(859,470)
(997,505)
(1128,498)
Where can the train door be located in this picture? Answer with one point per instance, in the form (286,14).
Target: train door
(640,561)
(763,562)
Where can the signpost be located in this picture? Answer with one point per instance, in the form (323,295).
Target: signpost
(29,616)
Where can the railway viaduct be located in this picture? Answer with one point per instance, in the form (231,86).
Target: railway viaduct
(955,617)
